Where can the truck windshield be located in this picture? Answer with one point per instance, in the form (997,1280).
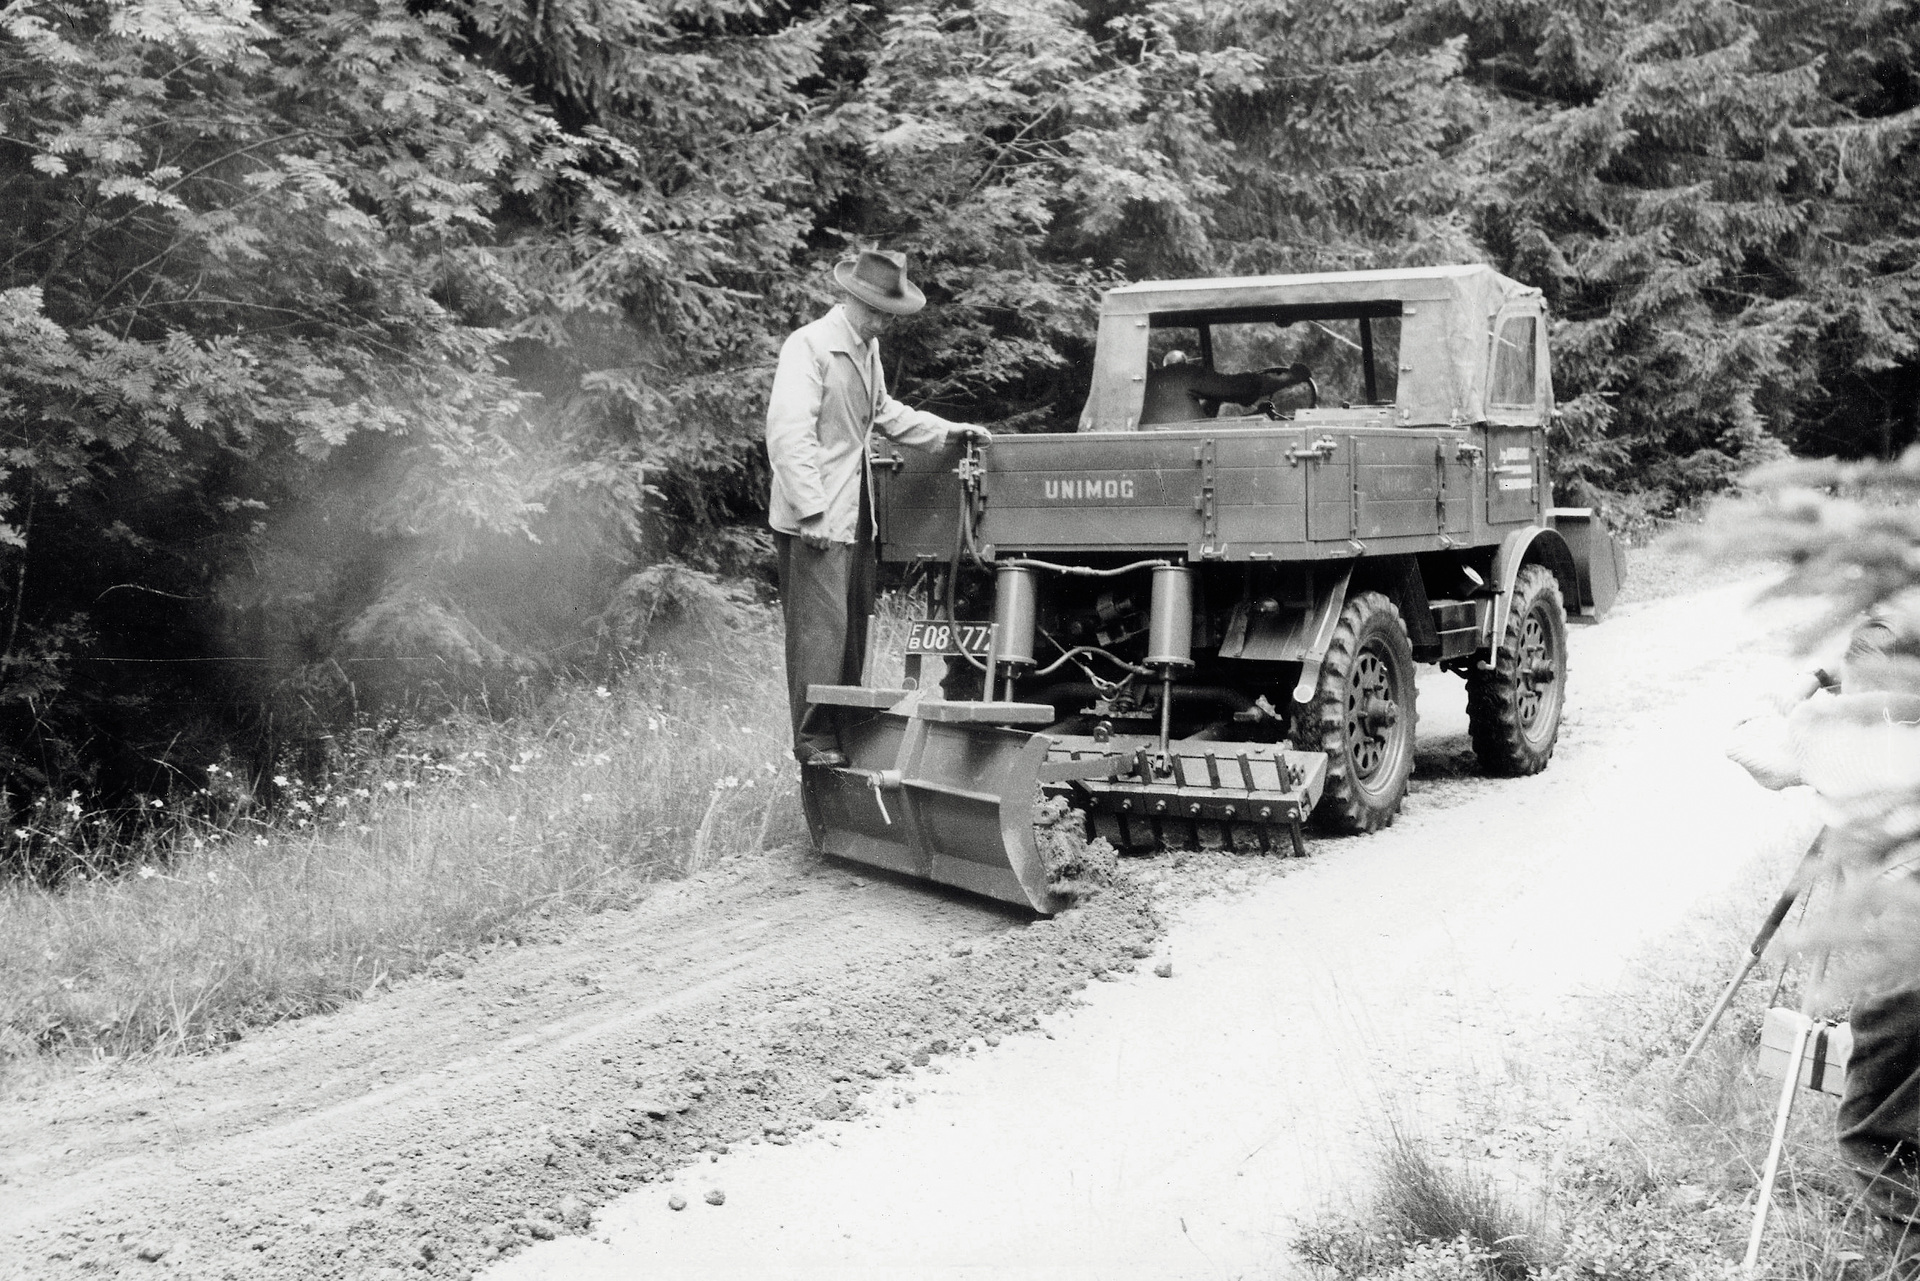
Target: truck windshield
(1334,351)
(1202,366)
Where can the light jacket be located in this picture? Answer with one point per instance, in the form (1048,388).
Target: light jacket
(828,396)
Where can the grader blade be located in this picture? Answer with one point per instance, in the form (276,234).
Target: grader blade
(939,790)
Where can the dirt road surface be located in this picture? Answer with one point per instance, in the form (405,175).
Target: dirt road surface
(874,1079)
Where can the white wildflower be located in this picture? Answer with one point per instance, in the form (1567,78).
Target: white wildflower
(147,873)
(279,780)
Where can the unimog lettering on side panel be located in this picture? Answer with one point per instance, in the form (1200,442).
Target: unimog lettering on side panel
(1205,606)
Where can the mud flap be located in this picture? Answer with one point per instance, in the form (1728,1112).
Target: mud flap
(938,790)
(1598,559)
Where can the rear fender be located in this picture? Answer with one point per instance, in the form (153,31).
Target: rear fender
(1534,545)
(1326,616)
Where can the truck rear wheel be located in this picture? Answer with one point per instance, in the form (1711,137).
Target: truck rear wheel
(1362,716)
(1514,704)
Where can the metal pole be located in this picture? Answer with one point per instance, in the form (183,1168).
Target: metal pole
(993,654)
(1166,710)
(1720,1006)
(1796,885)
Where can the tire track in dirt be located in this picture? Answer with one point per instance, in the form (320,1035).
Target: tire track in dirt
(457,1118)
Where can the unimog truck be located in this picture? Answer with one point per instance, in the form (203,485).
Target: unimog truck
(1198,620)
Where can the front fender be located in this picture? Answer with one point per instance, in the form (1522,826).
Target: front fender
(1533,545)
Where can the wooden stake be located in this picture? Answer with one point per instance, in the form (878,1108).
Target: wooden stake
(1788,1088)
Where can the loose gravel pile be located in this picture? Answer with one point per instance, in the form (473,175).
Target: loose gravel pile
(1077,867)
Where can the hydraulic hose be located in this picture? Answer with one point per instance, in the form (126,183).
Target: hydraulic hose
(969,516)
(1068,655)
(963,533)
(1084,571)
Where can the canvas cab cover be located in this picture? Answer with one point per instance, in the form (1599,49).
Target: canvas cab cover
(1428,346)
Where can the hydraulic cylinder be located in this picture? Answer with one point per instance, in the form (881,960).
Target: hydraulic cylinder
(1170,618)
(1015,611)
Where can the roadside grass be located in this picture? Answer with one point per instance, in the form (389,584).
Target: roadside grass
(1660,1179)
(1429,1215)
(1664,565)
(436,840)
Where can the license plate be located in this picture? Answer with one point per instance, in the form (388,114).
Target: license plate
(929,636)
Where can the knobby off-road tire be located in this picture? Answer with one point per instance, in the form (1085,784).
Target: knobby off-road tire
(1514,704)
(1362,716)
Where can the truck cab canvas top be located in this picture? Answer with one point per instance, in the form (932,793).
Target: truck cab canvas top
(1442,346)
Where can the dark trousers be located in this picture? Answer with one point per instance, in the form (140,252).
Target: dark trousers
(825,600)
(1878,1125)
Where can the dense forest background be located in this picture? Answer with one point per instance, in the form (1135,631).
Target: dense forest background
(355,351)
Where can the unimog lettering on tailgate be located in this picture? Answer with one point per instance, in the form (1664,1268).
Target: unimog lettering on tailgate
(1080,490)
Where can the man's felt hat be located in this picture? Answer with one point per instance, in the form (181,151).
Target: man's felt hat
(878,278)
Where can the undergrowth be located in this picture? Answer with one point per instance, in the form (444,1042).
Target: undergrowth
(417,841)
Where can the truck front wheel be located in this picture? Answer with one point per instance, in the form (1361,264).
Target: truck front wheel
(1362,716)
(1514,702)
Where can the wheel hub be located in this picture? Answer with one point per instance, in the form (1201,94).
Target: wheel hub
(1381,714)
(1373,712)
(1536,671)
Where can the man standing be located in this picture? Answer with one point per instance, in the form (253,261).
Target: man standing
(828,396)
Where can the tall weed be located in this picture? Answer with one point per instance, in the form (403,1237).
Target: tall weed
(430,840)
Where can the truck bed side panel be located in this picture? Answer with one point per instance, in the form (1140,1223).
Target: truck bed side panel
(1226,493)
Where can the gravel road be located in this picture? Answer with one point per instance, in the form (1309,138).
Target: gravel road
(838,1075)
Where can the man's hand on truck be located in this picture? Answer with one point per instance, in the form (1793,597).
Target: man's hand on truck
(969,432)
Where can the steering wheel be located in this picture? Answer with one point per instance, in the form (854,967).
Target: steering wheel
(1306,380)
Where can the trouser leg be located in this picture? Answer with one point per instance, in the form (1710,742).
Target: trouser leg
(814,606)
(1878,1125)
(862,572)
